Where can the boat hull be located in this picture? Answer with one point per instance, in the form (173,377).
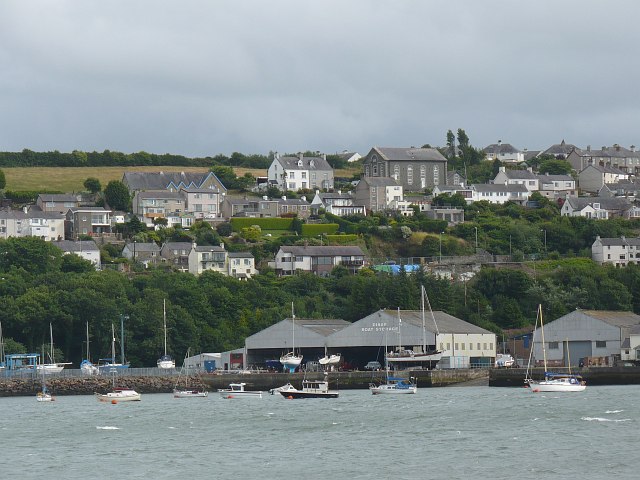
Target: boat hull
(119,396)
(297,394)
(44,397)
(543,387)
(392,390)
(234,394)
(190,394)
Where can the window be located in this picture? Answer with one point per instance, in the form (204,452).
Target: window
(396,171)
(436,175)
(441,346)
(423,176)
(553,345)
(304,174)
(470,346)
(484,346)
(463,345)
(292,175)
(601,344)
(479,346)
(491,346)
(410,175)
(448,346)
(456,345)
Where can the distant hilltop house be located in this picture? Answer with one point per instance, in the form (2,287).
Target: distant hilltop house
(596,207)
(295,173)
(593,177)
(86,249)
(626,160)
(518,177)
(349,157)
(620,251)
(500,194)
(337,203)
(180,197)
(31,222)
(57,202)
(216,258)
(505,152)
(318,260)
(556,186)
(265,207)
(559,150)
(413,168)
(378,194)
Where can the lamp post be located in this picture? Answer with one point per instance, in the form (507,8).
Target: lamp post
(123,317)
(476,228)
(440,260)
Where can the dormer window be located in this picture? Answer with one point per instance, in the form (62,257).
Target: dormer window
(299,163)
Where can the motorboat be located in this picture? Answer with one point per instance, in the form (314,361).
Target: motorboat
(504,360)
(394,385)
(236,390)
(311,389)
(284,388)
(119,394)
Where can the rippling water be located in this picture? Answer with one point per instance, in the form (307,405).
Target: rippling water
(471,432)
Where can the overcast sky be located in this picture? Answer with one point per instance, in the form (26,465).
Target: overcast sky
(202,77)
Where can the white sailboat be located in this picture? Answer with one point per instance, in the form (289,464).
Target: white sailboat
(165,361)
(552,381)
(117,394)
(290,361)
(86,366)
(52,367)
(44,395)
(393,385)
(1,349)
(404,356)
(109,365)
(329,361)
(186,391)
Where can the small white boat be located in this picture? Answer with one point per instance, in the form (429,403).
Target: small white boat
(236,390)
(44,397)
(290,361)
(394,386)
(283,388)
(330,360)
(165,361)
(119,395)
(86,366)
(53,367)
(186,391)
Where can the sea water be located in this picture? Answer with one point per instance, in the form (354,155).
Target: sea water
(439,433)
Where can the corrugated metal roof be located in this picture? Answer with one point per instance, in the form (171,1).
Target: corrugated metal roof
(446,323)
(615,318)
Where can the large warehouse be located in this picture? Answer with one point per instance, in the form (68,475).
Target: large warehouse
(462,344)
(588,333)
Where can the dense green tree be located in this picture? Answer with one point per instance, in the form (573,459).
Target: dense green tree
(555,167)
(3,180)
(92,185)
(116,194)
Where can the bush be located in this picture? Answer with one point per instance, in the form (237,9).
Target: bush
(264,223)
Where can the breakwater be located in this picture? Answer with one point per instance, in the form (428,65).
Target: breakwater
(77,385)
(514,377)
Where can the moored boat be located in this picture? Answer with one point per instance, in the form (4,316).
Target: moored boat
(236,390)
(119,394)
(311,389)
(290,361)
(165,361)
(394,385)
(186,391)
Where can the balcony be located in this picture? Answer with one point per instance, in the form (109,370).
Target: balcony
(352,263)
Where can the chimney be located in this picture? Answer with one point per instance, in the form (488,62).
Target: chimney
(617,147)
(588,148)
(632,148)
(339,192)
(324,157)
(530,169)
(222,245)
(301,155)
(503,169)
(499,142)
(303,198)
(25,209)
(284,197)
(264,197)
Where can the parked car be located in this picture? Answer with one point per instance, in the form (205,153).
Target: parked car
(373,365)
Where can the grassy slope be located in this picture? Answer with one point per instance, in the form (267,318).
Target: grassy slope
(71,179)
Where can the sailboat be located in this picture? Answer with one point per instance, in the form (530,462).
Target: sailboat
(404,356)
(110,364)
(186,391)
(165,361)
(290,361)
(1,349)
(329,360)
(44,395)
(86,366)
(52,367)
(117,394)
(393,385)
(552,381)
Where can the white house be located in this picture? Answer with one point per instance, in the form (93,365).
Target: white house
(295,173)
(595,207)
(504,152)
(241,265)
(337,203)
(630,351)
(217,259)
(556,186)
(500,193)
(616,251)
(378,193)
(518,177)
(202,202)
(86,249)
(31,223)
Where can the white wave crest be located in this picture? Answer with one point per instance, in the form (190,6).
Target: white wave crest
(107,428)
(614,411)
(600,419)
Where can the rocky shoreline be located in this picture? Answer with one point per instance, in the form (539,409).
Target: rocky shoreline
(16,387)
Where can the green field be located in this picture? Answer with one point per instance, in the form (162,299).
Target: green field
(70,179)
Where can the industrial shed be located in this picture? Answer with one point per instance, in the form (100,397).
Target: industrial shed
(587,333)
(462,344)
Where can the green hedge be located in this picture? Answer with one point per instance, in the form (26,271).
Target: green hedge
(315,229)
(341,239)
(26,196)
(264,223)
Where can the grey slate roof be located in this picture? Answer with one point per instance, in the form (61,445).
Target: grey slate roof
(555,178)
(613,152)
(485,187)
(607,169)
(171,246)
(380,181)
(240,255)
(606,203)
(520,174)
(615,318)
(79,246)
(308,163)
(162,180)
(166,194)
(497,148)
(620,241)
(410,154)
(529,154)
(445,322)
(561,148)
(140,247)
(322,251)
(58,197)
